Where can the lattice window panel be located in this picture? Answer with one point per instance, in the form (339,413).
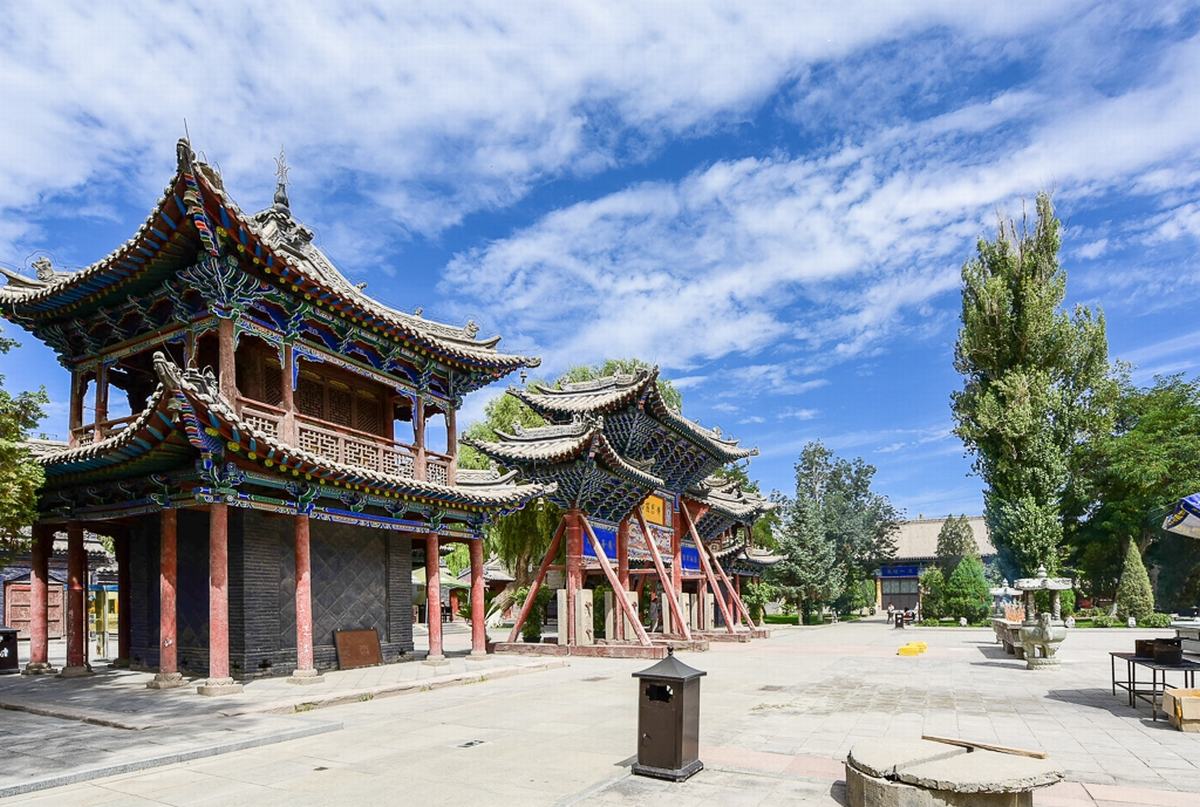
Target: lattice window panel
(319,443)
(368,413)
(362,454)
(272,384)
(261,424)
(310,398)
(438,473)
(397,463)
(341,403)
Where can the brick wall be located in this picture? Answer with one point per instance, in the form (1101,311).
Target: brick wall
(361,578)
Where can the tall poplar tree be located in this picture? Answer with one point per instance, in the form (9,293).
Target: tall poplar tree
(1036,384)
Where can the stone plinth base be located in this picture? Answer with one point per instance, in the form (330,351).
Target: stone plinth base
(670,774)
(477,656)
(171,680)
(303,677)
(75,671)
(219,686)
(654,651)
(40,668)
(884,773)
(436,661)
(740,637)
(761,633)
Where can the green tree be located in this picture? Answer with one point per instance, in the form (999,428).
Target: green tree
(1036,385)
(966,592)
(1130,480)
(956,540)
(756,595)
(1135,597)
(835,531)
(933,593)
(20,475)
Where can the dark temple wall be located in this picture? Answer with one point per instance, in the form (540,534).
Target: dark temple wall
(361,578)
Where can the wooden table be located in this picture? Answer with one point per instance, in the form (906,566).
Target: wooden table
(1158,678)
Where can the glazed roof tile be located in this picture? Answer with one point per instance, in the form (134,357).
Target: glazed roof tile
(561,443)
(616,392)
(288,240)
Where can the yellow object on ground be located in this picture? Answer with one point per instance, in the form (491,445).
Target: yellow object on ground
(912,649)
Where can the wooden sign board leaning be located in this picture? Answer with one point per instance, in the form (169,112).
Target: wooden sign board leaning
(357,648)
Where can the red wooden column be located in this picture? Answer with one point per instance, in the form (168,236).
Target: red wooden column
(306,671)
(574,571)
(124,600)
(39,601)
(168,676)
(219,681)
(737,615)
(622,574)
(76,604)
(478,617)
(705,618)
(433,599)
(101,402)
(226,365)
(677,553)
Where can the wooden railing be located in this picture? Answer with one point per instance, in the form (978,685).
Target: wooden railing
(90,432)
(338,443)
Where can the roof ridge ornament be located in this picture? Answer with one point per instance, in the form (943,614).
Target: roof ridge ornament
(281,178)
(43,269)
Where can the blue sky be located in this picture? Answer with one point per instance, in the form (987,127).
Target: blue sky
(771,201)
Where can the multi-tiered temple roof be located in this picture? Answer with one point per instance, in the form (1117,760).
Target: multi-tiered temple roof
(640,424)
(152,306)
(198,251)
(587,471)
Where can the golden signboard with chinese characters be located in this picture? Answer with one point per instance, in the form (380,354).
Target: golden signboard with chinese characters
(654,510)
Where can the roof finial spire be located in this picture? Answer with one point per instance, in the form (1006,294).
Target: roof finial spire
(281,176)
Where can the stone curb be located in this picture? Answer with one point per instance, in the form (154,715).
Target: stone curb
(315,701)
(82,715)
(102,771)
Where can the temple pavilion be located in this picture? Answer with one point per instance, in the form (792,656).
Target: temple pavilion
(256,444)
(635,480)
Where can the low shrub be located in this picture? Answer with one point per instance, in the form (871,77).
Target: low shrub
(929,623)
(1106,621)
(1156,620)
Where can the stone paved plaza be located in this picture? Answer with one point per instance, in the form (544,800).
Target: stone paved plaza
(778,716)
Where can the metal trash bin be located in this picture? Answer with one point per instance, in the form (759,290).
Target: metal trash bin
(668,720)
(9,663)
(899,619)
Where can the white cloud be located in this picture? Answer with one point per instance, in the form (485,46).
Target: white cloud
(829,252)
(793,413)
(753,419)
(432,111)
(1093,249)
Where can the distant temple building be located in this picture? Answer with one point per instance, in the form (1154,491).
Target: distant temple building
(636,482)
(255,443)
(916,549)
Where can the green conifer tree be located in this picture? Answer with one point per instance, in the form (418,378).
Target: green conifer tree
(1135,597)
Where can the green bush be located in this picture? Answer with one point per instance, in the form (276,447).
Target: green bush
(966,592)
(1066,602)
(933,593)
(1106,621)
(1135,597)
(756,595)
(1155,621)
(930,623)
(531,631)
